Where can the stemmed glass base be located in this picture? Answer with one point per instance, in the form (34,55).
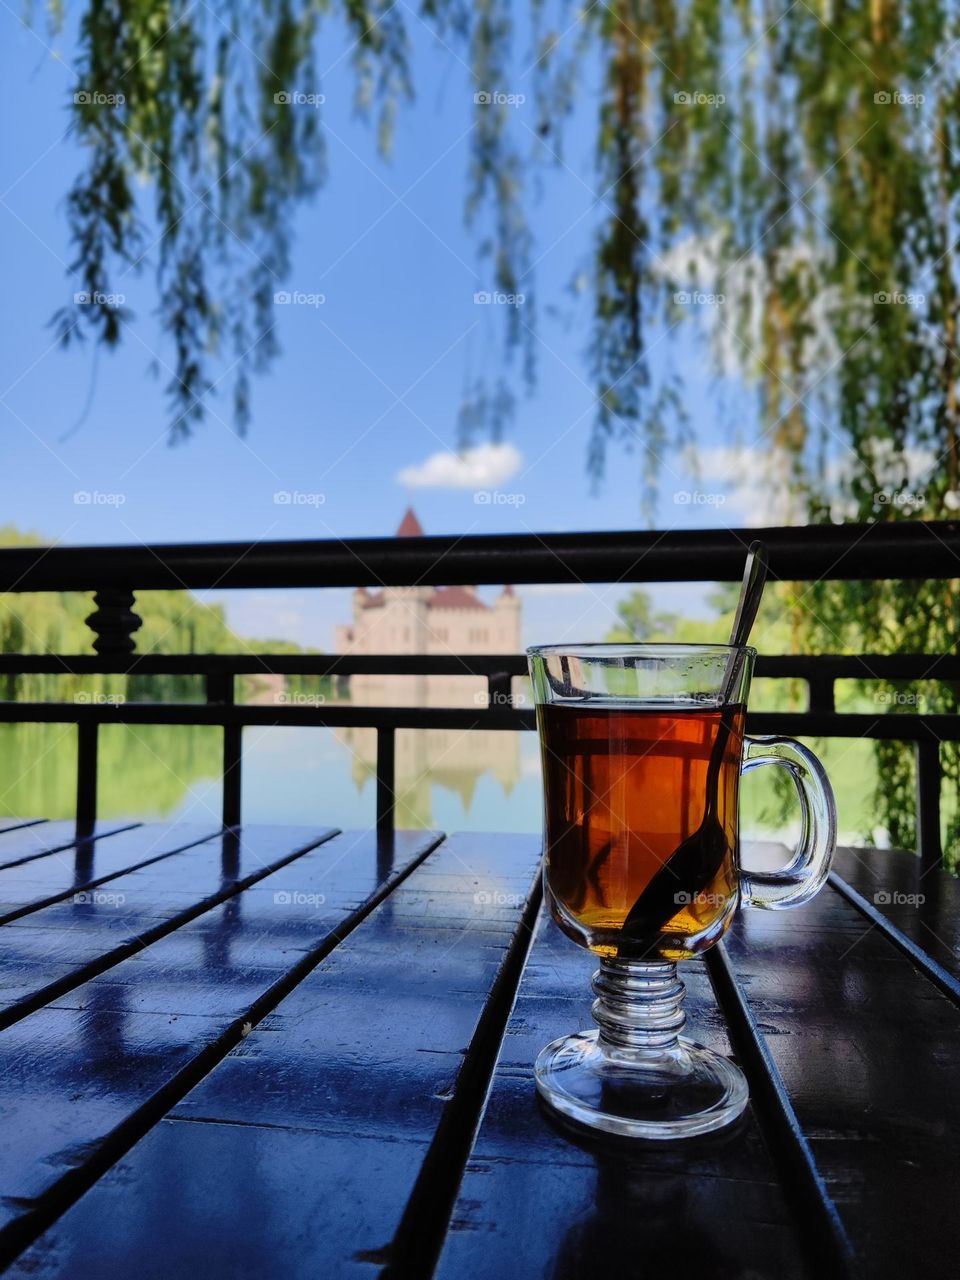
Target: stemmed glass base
(636,1075)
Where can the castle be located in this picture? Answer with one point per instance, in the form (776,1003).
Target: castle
(441,621)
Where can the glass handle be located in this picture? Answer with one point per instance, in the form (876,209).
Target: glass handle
(804,875)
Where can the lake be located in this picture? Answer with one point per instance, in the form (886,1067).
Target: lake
(481,781)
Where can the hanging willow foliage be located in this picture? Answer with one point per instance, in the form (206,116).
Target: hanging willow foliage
(798,161)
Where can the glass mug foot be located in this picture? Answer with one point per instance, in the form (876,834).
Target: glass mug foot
(636,1076)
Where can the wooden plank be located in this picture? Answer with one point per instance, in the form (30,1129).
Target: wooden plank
(13,824)
(918,906)
(809,1195)
(81,868)
(69,942)
(712,1206)
(867,1046)
(81,1080)
(22,844)
(298,1155)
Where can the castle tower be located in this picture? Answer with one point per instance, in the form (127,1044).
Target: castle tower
(411,605)
(432,621)
(508,609)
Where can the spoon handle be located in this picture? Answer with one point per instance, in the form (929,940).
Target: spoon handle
(751,593)
(693,864)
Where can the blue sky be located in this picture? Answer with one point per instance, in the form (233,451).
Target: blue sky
(367,388)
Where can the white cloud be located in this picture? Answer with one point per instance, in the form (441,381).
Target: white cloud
(483,467)
(736,327)
(757,484)
(760,489)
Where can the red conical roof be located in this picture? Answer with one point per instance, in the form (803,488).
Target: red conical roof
(410,526)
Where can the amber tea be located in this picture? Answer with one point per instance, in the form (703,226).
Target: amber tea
(624,787)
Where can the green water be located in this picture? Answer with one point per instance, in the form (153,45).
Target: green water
(150,770)
(312,775)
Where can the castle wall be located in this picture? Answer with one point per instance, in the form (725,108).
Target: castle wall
(403,624)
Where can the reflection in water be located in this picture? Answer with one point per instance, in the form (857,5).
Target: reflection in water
(460,779)
(450,780)
(453,759)
(143,770)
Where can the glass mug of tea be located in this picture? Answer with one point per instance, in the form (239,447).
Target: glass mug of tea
(642,749)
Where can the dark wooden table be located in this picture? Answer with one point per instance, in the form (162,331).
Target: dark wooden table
(301,1053)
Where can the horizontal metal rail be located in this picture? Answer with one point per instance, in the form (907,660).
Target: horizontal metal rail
(867,666)
(905,550)
(899,550)
(885,726)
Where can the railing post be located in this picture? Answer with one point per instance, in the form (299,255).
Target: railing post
(499,689)
(220,691)
(86,777)
(821,693)
(386,768)
(928,803)
(114,622)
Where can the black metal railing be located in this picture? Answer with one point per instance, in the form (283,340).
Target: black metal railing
(846,552)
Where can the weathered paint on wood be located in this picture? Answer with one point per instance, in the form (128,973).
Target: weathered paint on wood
(868,1048)
(11,824)
(85,1076)
(58,947)
(920,904)
(23,843)
(257,1082)
(310,1137)
(536,1201)
(27,885)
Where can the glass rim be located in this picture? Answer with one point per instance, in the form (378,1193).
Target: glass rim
(606,649)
